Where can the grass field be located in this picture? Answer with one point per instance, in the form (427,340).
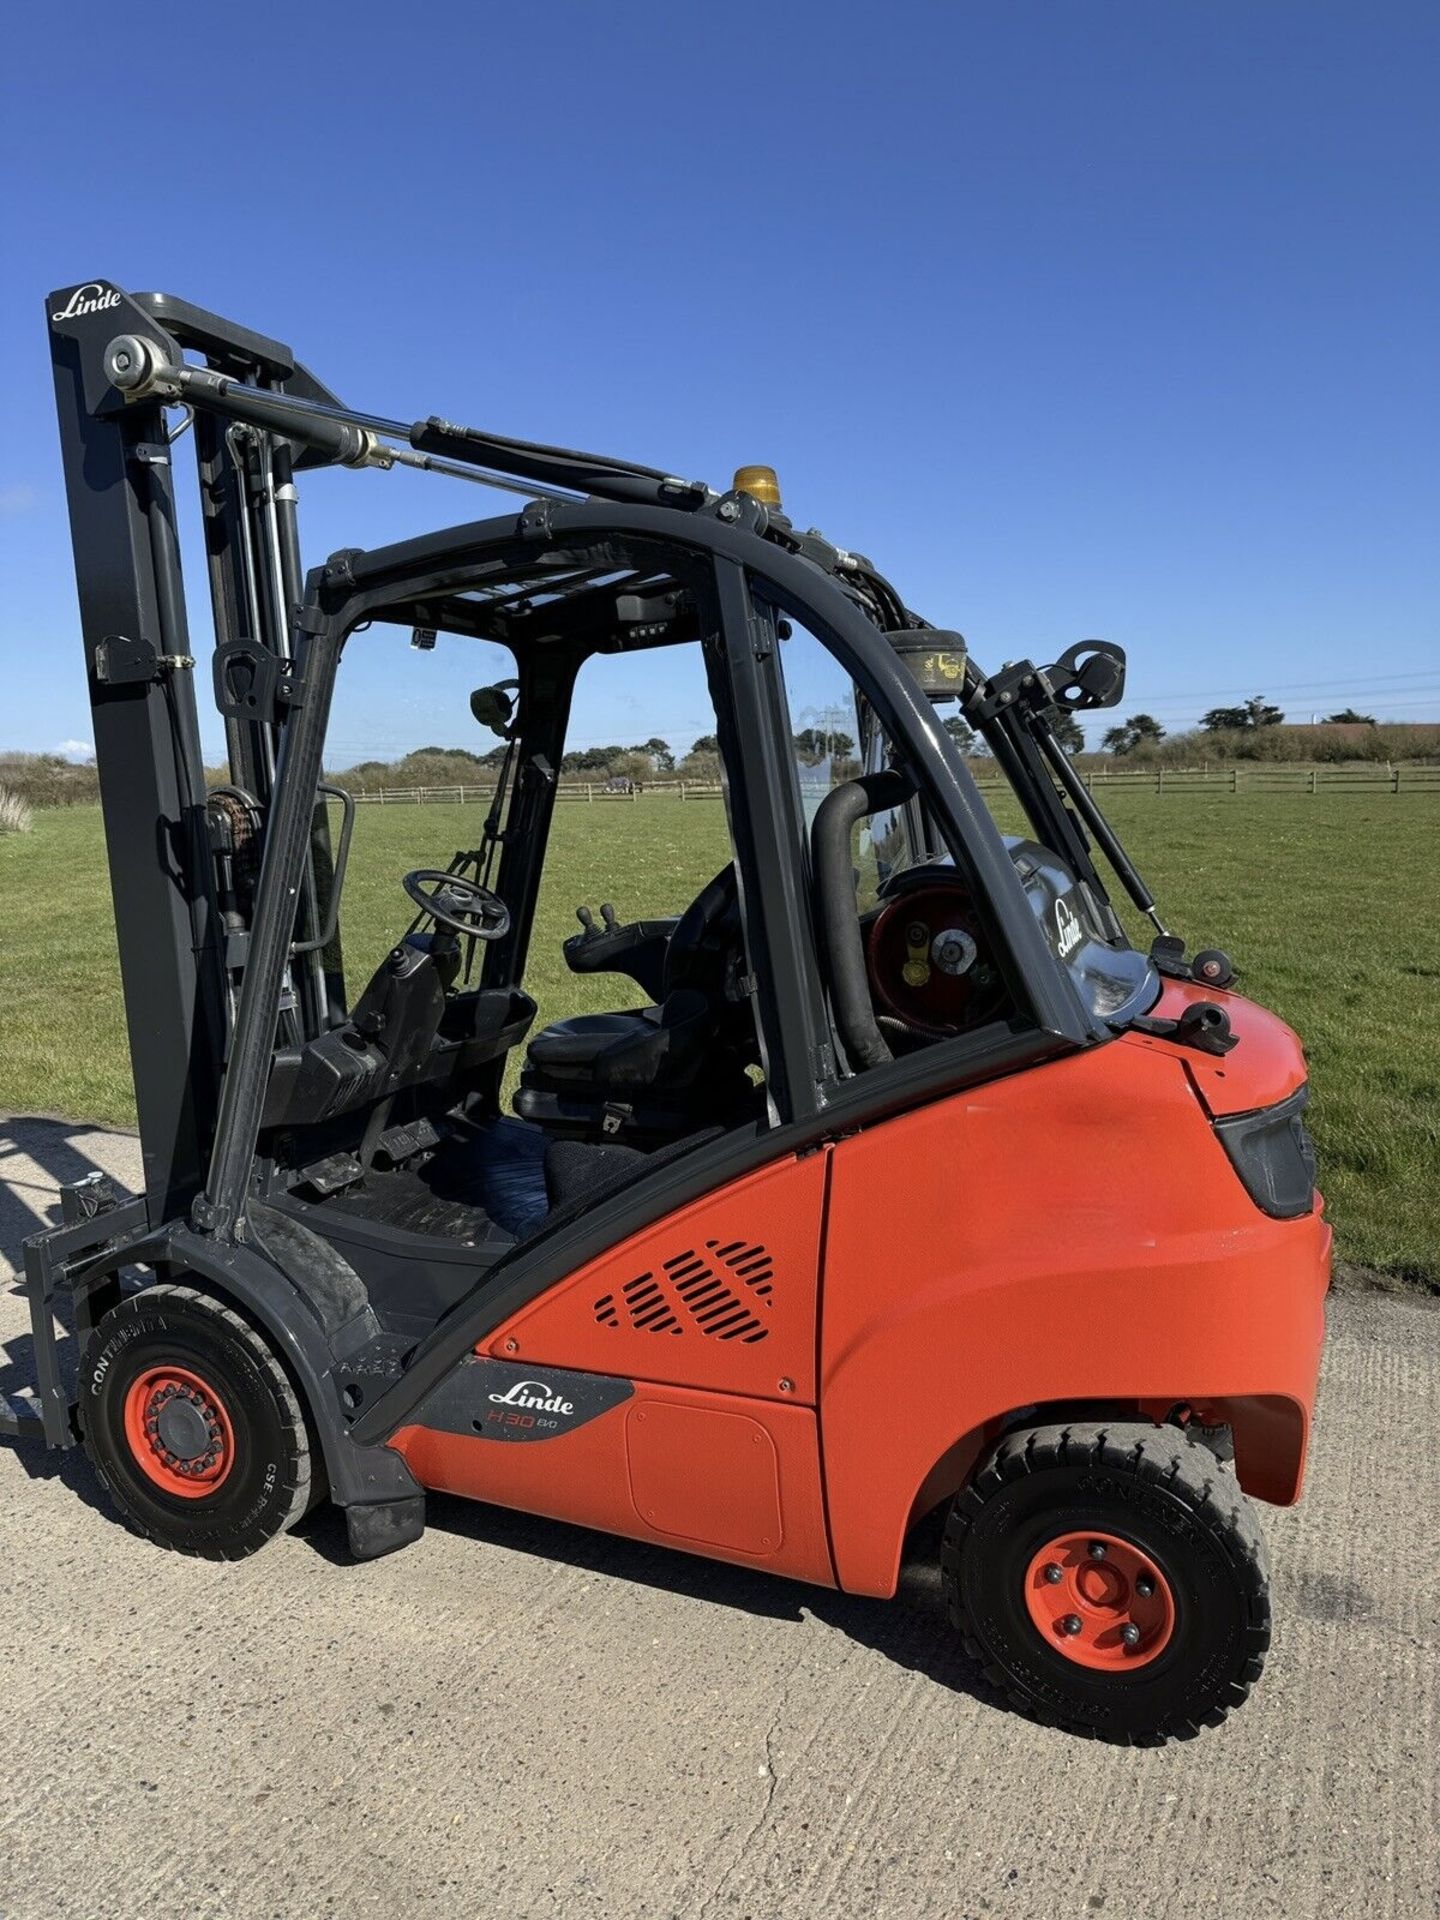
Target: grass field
(1329,905)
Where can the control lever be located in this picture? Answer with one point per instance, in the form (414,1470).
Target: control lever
(609,945)
(589,930)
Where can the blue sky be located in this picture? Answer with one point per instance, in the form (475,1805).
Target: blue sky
(1115,319)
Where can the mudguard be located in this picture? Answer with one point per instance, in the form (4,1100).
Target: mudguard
(384,1506)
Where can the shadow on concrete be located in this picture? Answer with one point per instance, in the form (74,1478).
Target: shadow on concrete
(71,1468)
(913,1629)
(36,1157)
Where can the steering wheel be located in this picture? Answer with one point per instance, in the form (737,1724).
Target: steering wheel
(460,905)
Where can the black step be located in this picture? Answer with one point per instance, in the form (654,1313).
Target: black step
(20,1417)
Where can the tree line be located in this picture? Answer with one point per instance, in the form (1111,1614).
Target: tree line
(653,759)
(1251,731)
(1255,731)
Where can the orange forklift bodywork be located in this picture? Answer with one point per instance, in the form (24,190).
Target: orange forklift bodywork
(913,1179)
(921,1283)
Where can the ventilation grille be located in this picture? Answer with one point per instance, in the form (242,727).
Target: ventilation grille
(724,1292)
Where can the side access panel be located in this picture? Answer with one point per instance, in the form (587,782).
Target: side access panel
(707,1473)
(721,1295)
(664,1391)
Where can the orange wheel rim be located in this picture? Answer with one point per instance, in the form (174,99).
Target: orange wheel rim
(1100,1601)
(179,1432)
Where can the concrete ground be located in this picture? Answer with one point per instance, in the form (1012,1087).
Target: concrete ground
(519,1718)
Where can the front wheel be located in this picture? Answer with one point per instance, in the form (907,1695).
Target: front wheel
(1111,1580)
(192,1424)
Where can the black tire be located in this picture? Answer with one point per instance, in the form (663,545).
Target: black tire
(267,1482)
(1173,1503)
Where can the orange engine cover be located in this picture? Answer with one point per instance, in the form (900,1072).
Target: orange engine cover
(1073,1234)
(1070,1234)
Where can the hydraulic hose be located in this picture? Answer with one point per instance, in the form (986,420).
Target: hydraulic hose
(1100,828)
(140,367)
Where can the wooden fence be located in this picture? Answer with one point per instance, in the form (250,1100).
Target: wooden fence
(1353,776)
(591,792)
(1260,777)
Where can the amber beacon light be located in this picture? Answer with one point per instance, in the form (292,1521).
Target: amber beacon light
(759,482)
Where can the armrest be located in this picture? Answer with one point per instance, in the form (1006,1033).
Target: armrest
(637,950)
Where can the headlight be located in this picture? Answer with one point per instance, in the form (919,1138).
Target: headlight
(1273,1155)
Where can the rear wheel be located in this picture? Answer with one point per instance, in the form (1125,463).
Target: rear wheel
(1111,1579)
(192,1424)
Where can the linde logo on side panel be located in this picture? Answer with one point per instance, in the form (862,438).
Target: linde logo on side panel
(1069,932)
(534,1394)
(93,297)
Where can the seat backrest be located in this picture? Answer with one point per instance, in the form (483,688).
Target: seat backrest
(705,937)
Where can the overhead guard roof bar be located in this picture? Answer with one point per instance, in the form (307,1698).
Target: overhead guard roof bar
(139,369)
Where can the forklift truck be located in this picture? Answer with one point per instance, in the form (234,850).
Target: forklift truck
(908,1186)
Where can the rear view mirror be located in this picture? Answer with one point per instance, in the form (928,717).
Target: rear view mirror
(493,707)
(1089,674)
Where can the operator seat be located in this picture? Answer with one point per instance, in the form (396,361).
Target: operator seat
(651,1073)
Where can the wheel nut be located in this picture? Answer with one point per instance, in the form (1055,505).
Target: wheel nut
(1071,1623)
(1097,1549)
(1130,1634)
(1145,1586)
(1053,1573)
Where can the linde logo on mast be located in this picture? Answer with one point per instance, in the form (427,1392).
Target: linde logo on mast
(535,1395)
(93,297)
